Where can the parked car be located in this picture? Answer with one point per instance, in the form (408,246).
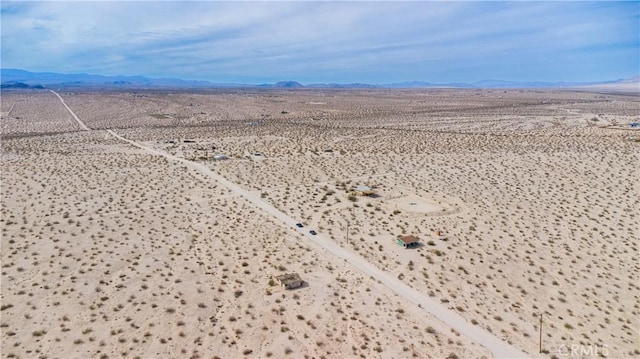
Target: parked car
(313,232)
(299,225)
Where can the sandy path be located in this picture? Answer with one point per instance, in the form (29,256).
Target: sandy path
(499,348)
(82,125)
(11,109)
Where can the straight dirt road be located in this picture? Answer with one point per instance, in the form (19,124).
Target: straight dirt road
(75,117)
(498,347)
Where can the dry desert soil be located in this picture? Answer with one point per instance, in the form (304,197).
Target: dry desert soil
(124,234)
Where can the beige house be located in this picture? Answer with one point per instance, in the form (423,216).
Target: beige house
(289,280)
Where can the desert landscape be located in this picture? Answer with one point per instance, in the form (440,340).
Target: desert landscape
(153,224)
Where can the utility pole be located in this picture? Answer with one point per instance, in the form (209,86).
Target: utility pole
(347,232)
(540,332)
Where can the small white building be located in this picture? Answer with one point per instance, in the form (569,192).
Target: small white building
(363,191)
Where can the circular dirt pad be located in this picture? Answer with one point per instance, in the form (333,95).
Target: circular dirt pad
(416,204)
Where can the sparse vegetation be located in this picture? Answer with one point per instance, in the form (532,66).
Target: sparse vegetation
(111,245)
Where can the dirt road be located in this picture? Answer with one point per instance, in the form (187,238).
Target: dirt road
(499,348)
(75,117)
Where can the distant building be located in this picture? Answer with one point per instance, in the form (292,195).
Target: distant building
(408,241)
(289,280)
(439,235)
(363,191)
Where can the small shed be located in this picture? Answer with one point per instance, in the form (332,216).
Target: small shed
(289,280)
(439,235)
(363,191)
(408,241)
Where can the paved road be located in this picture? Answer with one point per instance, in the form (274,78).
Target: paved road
(75,117)
(498,348)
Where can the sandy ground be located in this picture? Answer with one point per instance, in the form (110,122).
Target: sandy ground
(111,251)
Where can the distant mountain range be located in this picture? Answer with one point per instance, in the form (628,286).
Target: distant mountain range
(14,78)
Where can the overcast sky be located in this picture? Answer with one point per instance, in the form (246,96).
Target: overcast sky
(311,42)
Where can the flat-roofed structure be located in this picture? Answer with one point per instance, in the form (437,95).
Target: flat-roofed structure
(363,191)
(408,241)
(289,280)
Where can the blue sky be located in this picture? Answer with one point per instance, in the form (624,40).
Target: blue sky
(312,42)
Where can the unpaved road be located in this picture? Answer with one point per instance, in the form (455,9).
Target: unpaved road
(498,347)
(75,117)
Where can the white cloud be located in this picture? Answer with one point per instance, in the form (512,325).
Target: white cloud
(317,41)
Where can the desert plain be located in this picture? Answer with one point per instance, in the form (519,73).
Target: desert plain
(157,232)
